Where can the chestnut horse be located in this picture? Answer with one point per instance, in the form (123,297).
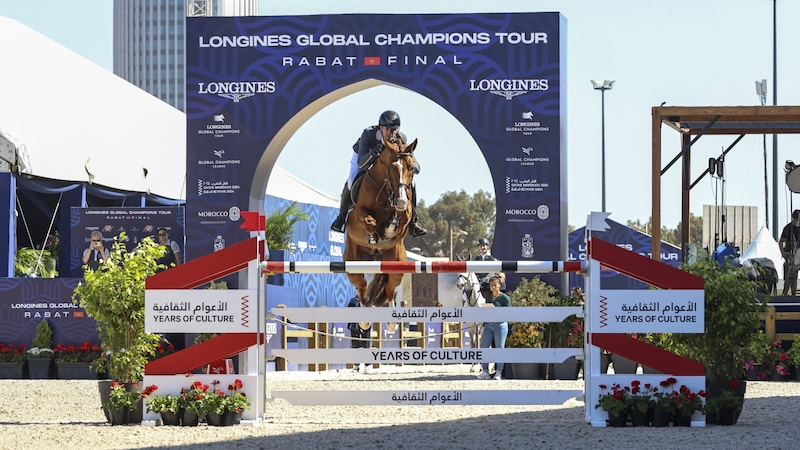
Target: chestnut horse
(378,223)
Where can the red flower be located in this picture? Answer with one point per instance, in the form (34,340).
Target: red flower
(149,390)
(734,384)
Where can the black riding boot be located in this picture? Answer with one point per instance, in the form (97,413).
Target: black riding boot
(344,206)
(417,230)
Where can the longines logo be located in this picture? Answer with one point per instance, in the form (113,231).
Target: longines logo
(509,88)
(236,90)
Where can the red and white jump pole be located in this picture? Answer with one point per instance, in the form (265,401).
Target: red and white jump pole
(269,267)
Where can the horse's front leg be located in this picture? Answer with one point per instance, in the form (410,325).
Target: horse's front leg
(370,224)
(360,282)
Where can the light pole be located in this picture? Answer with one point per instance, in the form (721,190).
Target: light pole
(761,91)
(454,233)
(603,86)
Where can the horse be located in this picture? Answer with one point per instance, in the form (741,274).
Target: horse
(378,223)
(471,295)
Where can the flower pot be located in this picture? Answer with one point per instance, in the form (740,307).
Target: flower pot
(661,417)
(232,418)
(640,419)
(727,416)
(136,415)
(11,370)
(68,370)
(681,420)
(214,420)
(775,376)
(568,370)
(526,371)
(189,419)
(170,418)
(104,387)
(623,365)
(715,389)
(756,373)
(118,416)
(620,420)
(39,368)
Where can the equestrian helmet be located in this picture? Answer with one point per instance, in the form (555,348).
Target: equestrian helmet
(389,119)
(483,241)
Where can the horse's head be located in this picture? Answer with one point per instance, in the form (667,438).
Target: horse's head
(466,281)
(399,159)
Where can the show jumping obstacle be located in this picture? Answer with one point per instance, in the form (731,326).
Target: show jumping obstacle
(609,314)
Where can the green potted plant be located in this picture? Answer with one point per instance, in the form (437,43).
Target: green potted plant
(733,311)
(121,401)
(533,292)
(12,360)
(167,405)
(756,356)
(726,406)
(793,355)
(663,404)
(74,361)
(33,263)
(686,403)
(113,295)
(565,334)
(616,402)
(195,402)
(40,355)
(641,396)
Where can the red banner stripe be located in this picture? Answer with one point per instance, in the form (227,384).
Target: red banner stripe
(647,354)
(206,268)
(641,267)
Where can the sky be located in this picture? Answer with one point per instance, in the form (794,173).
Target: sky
(683,53)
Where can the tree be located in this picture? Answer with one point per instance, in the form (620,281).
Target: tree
(454,211)
(280,226)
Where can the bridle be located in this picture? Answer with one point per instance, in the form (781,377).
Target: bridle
(387,183)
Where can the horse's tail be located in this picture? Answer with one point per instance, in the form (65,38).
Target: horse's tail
(376,292)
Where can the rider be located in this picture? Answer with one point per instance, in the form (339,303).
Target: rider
(366,151)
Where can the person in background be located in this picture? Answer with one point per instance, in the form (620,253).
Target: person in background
(494,333)
(359,335)
(577,294)
(96,253)
(172,257)
(485,254)
(789,242)
(367,150)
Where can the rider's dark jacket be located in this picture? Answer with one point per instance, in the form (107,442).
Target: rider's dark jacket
(370,141)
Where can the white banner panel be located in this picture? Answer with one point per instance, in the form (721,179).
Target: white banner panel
(648,311)
(200,311)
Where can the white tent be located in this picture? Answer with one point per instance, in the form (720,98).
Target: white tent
(65,110)
(765,246)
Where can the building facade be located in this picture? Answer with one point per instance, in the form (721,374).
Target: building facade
(149,41)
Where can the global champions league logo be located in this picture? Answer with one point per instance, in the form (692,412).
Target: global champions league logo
(236,90)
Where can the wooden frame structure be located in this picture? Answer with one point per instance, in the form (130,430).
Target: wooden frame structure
(693,122)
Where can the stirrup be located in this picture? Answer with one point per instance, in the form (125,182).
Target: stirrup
(338,224)
(417,230)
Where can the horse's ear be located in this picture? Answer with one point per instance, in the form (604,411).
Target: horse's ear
(411,146)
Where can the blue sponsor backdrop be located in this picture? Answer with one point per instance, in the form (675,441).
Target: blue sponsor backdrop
(252,81)
(26,301)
